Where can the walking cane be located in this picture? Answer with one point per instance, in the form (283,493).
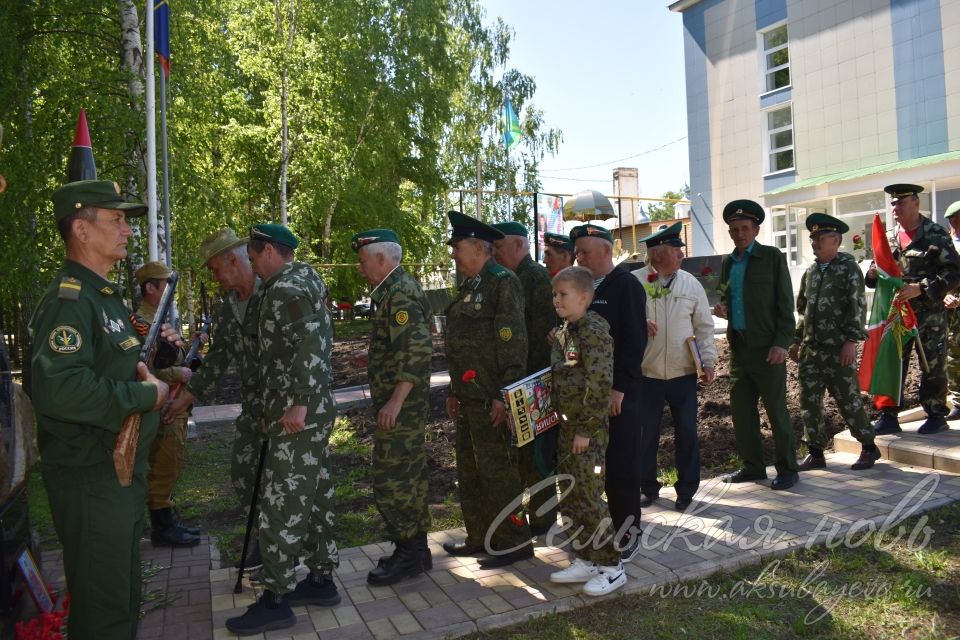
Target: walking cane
(238,588)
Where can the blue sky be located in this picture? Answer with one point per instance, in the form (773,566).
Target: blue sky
(609,74)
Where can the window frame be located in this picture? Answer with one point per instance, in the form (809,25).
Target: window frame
(766,71)
(768,149)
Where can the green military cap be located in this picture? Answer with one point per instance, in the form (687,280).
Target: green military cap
(558,241)
(822,223)
(155,270)
(372,236)
(743,210)
(102,194)
(588,230)
(511,228)
(218,242)
(668,235)
(466,227)
(273,232)
(898,191)
(953,210)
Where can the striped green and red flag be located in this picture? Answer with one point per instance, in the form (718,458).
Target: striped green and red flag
(890,327)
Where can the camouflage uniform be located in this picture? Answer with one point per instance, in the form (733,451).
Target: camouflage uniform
(234,341)
(538,458)
(401,349)
(953,349)
(582,380)
(931,260)
(832,308)
(486,334)
(296,512)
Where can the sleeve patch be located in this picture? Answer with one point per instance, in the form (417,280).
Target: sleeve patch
(65,339)
(505,334)
(401,318)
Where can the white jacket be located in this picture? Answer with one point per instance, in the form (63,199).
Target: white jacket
(682,313)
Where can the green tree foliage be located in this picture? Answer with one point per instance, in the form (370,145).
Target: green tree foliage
(664,210)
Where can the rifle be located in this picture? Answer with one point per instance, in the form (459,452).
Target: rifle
(193,358)
(125,451)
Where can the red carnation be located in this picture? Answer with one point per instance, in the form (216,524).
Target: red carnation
(517,519)
(652,276)
(468,375)
(856,239)
(706,271)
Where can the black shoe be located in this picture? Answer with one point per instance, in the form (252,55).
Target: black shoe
(504,559)
(269,612)
(814,460)
(954,413)
(462,549)
(630,551)
(743,476)
(933,424)
(254,561)
(164,533)
(178,523)
(682,503)
(405,562)
(866,459)
(886,424)
(647,500)
(316,589)
(784,480)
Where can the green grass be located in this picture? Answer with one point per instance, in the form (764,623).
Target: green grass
(347,329)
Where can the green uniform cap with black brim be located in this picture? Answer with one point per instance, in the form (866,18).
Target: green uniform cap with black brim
(101,194)
(823,223)
(372,236)
(743,210)
(463,227)
(669,236)
(898,191)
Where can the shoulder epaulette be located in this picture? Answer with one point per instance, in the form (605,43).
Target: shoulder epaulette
(499,270)
(69,288)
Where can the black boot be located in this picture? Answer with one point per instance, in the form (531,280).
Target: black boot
(869,453)
(887,423)
(269,612)
(406,561)
(178,523)
(814,460)
(426,558)
(164,533)
(254,561)
(316,589)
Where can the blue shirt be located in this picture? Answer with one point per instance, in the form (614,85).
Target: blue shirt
(738,267)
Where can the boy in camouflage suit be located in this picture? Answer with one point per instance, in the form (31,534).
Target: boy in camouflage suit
(296,510)
(832,308)
(952,302)
(401,349)
(582,363)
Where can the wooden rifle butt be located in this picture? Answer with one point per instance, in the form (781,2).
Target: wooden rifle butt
(125,451)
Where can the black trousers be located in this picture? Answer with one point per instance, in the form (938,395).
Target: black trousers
(623,471)
(681,395)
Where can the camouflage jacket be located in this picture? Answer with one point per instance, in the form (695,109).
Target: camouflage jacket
(832,304)
(930,259)
(539,313)
(486,334)
(233,340)
(401,347)
(582,363)
(296,339)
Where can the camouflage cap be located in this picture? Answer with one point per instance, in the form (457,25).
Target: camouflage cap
(822,223)
(101,194)
(511,228)
(465,226)
(273,232)
(591,230)
(665,235)
(558,241)
(952,210)
(155,270)
(372,236)
(743,210)
(898,191)
(218,242)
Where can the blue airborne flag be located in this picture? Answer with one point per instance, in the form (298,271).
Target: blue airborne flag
(161,33)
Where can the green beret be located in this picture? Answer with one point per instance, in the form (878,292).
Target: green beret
(743,210)
(463,226)
(558,241)
(102,194)
(155,270)
(593,230)
(273,232)
(822,223)
(665,235)
(218,242)
(898,191)
(953,210)
(511,228)
(372,236)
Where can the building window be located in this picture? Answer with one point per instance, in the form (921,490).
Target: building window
(776,58)
(778,139)
(783,222)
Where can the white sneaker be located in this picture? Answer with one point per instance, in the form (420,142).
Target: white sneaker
(609,580)
(578,571)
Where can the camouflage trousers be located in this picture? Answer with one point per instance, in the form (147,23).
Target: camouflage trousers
(932,326)
(953,356)
(247,439)
(166,461)
(820,370)
(400,473)
(583,502)
(488,478)
(296,508)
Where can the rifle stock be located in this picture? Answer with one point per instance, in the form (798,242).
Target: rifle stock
(125,450)
(193,358)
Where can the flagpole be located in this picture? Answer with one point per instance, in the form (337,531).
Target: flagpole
(168,249)
(151,163)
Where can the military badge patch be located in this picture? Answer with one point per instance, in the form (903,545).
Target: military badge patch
(65,339)
(129,343)
(401,318)
(505,334)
